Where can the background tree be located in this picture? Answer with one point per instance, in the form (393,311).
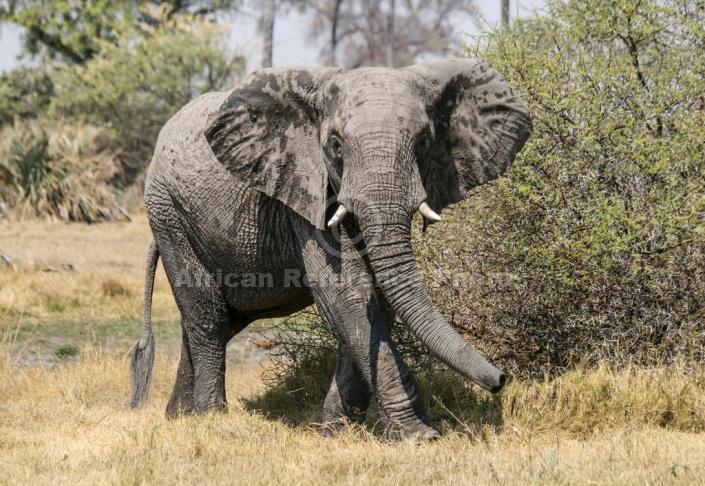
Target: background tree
(139,81)
(327,17)
(74,30)
(386,32)
(101,117)
(266,28)
(505,14)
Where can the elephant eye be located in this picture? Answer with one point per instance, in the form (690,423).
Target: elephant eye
(335,148)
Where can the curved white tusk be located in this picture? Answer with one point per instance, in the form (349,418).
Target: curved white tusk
(338,216)
(428,213)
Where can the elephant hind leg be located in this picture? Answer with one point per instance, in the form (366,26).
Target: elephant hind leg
(348,398)
(181,401)
(200,379)
(206,322)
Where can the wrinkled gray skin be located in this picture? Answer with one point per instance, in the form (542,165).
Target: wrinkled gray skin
(245,181)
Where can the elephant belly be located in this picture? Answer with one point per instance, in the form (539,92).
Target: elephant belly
(249,252)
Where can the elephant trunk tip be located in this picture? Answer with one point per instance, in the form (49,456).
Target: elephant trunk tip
(494,381)
(501,381)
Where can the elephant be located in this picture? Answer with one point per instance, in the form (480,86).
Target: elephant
(299,186)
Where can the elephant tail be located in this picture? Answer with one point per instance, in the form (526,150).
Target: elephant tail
(143,352)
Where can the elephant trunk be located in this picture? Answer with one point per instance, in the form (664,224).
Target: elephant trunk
(388,240)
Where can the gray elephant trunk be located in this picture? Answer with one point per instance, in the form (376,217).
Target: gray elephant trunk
(392,260)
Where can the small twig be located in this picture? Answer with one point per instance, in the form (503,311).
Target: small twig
(468,429)
(6,259)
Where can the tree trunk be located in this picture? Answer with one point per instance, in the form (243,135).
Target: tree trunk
(390,35)
(267,28)
(335,18)
(505,14)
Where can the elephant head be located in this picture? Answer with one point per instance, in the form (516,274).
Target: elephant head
(383,143)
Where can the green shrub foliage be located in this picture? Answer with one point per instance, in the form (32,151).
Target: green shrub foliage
(58,173)
(594,246)
(138,81)
(24,93)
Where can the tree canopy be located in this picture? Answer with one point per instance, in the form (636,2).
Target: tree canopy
(74,30)
(113,104)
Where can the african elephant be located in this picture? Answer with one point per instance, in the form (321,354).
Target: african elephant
(317,173)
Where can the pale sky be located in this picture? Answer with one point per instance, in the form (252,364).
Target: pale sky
(291,45)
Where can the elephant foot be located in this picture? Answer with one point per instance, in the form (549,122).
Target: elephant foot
(416,434)
(335,421)
(176,411)
(178,407)
(333,428)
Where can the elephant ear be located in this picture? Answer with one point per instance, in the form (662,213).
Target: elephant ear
(480,126)
(266,134)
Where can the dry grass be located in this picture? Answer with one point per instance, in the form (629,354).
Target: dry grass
(63,261)
(72,283)
(65,420)
(72,426)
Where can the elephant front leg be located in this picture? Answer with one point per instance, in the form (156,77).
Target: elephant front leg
(352,312)
(398,397)
(348,398)
(368,347)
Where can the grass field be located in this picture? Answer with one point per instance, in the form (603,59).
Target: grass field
(70,307)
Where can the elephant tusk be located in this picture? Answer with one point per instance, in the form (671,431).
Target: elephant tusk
(428,213)
(338,216)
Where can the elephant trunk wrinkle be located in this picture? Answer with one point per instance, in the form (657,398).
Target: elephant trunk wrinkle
(392,261)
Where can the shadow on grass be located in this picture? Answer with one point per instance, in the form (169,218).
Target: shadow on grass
(296,399)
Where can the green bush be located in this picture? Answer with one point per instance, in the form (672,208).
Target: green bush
(594,246)
(139,80)
(59,173)
(25,93)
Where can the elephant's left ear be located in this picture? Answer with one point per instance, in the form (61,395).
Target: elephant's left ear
(266,135)
(480,125)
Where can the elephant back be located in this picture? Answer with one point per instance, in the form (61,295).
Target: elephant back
(182,152)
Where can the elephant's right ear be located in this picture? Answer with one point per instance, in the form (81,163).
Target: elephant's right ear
(266,135)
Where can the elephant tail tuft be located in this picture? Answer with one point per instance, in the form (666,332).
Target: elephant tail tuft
(143,353)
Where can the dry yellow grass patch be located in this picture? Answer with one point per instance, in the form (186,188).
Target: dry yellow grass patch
(64,418)
(78,267)
(72,426)
(71,283)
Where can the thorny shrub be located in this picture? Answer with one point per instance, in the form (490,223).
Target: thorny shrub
(594,247)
